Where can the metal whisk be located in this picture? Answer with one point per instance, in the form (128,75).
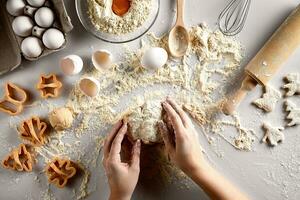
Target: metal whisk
(232,19)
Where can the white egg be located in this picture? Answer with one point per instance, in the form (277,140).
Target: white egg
(89,86)
(154,58)
(37,31)
(32,47)
(28,10)
(44,17)
(15,7)
(102,59)
(36,3)
(53,38)
(71,64)
(22,26)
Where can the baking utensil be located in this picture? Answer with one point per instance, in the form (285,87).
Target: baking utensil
(82,8)
(178,36)
(232,19)
(269,59)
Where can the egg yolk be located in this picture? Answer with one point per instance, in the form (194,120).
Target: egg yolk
(120,7)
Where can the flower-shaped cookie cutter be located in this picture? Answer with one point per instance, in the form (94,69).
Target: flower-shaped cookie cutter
(19,159)
(49,86)
(33,130)
(13,100)
(59,171)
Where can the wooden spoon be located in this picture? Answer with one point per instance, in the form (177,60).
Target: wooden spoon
(178,36)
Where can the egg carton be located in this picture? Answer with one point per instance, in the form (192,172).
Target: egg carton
(10,44)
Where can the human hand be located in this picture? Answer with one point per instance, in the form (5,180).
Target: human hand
(122,177)
(182,143)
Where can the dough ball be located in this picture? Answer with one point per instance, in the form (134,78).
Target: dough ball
(142,123)
(61,118)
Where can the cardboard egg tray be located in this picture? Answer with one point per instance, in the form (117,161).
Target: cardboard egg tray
(10,44)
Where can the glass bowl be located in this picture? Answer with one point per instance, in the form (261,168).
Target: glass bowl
(82,12)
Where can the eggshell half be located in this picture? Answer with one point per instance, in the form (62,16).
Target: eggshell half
(102,59)
(89,86)
(71,64)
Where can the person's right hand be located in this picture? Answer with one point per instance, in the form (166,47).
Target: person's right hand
(182,143)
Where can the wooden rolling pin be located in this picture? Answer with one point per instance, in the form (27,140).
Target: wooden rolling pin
(269,59)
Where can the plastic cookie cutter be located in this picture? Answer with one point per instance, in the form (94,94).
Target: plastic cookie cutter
(19,159)
(33,130)
(59,171)
(49,86)
(13,100)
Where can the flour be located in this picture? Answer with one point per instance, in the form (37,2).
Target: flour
(293,85)
(273,135)
(103,18)
(294,113)
(268,100)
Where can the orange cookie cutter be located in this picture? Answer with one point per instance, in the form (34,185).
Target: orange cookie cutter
(33,130)
(59,171)
(13,100)
(19,159)
(49,86)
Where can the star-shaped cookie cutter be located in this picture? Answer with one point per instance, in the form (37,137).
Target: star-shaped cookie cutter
(59,171)
(13,100)
(33,130)
(49,86)
(19,159)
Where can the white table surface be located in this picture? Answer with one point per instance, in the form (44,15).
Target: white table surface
(264,173)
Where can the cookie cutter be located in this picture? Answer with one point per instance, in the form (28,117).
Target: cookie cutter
(49,86)
(33,130)
(13,100)
(19,159)
(59,171)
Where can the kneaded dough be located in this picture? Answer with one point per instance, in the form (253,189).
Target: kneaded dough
(61,118)
(268,100)
(273,135)
(142,122)
(293,85)
(294,113)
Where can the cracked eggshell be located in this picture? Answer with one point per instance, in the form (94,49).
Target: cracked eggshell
(89,86)
(53,38)
(44,17)
(15,7)
(71,64)
(32,47)
(102,59)
(22,26)
(154,58)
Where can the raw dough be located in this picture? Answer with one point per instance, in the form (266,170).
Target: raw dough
(273,135)
(61,118)
(294,113)
(293,85)
(142,122)
(268,100)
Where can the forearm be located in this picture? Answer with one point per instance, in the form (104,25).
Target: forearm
(215,185)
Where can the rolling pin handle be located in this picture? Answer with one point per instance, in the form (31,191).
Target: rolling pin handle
(247,85)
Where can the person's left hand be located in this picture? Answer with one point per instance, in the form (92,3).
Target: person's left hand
(122,177)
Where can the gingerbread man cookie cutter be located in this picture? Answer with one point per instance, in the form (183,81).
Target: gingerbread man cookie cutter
(33,130)
(13,101)
(49,86)
(19,159)
(59,171)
